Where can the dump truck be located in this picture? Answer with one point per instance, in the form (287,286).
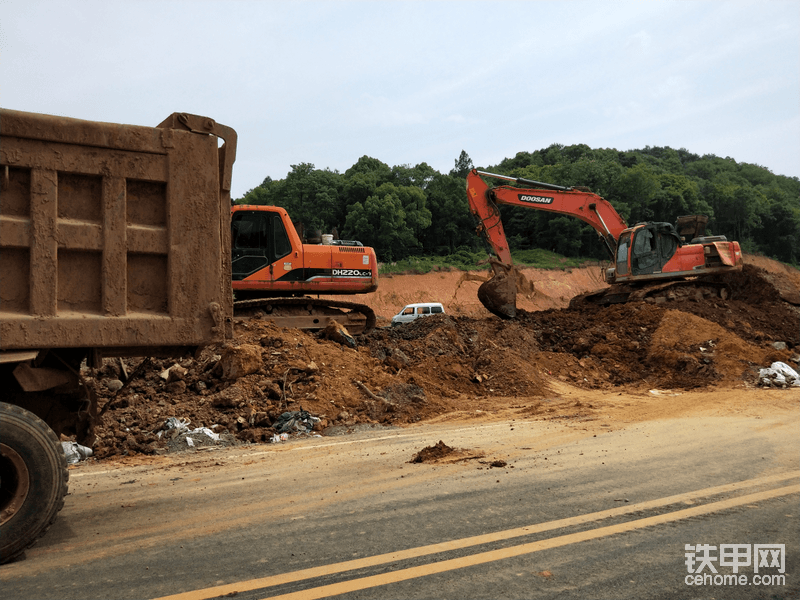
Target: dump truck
(114,242)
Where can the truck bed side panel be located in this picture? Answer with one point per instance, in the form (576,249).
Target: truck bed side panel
(110,236)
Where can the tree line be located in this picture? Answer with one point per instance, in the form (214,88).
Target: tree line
(406,211)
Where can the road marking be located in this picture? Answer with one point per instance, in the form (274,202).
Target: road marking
(380,559)
(493,555)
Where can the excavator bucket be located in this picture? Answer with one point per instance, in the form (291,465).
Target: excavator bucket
(499,294)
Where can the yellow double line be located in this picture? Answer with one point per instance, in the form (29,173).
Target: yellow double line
(494,555)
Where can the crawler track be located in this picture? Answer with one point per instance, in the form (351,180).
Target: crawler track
(309,313)
(697,289)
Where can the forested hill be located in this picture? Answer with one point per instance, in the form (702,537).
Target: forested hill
(405,211)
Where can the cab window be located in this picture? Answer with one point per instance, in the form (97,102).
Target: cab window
(282,244)
(249,231)
(622,254)
(644,259)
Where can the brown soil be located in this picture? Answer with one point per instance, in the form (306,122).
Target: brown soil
(433,453)
(465,364)
(441,453)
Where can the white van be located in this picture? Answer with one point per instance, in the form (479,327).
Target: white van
(414,311)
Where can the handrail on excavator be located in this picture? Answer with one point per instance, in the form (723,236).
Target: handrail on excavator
(538,184)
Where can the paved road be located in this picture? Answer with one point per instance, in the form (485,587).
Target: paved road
(575,513)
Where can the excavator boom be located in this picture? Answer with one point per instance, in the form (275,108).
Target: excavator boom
(584,205)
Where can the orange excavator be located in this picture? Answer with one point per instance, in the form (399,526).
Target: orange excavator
(274,272)
(651,259)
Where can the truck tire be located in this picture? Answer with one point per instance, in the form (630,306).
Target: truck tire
(33,479)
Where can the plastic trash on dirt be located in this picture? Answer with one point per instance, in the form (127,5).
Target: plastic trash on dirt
(780,374)
(300,421)
(75,452)
(205,431)
(180,436)
(198,438)
(174,426)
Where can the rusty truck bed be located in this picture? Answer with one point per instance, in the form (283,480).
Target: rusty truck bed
(114,237)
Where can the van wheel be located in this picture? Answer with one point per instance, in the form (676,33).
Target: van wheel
(33,479)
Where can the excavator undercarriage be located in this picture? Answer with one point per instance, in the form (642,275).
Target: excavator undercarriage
(308,313)
(699,290)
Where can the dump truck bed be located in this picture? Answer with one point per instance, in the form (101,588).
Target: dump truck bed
(113,237)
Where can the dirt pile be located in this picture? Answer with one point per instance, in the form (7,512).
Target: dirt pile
(433,453)
(441,365)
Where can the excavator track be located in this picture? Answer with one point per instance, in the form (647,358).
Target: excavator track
(308,313)
(699,289)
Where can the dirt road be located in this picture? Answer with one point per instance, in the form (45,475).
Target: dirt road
(513,505)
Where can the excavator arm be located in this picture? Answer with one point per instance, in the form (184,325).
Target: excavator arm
(586,206)
(499,293)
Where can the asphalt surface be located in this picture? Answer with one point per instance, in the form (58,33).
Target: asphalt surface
(574,513)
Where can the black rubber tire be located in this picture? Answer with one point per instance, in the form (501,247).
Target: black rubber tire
(38,448)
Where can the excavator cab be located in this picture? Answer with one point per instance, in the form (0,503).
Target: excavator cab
(653,245)
(258,239)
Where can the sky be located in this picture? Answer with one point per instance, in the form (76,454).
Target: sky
(411,82)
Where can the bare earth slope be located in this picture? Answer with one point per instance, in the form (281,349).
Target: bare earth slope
(627,361)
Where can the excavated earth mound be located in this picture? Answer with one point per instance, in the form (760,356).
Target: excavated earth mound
(440,365)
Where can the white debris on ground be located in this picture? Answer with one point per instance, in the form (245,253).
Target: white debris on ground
(779,374)
(75,453)
(182,438)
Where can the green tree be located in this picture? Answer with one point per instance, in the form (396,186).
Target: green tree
(414,203)
(452,225)
(735,210)
(363,178)
(427,211)
(261,195)
(598,174)
(463,165)
(377,171)
(678,195)
(553,154)
(418,176)
(637,188)
(311,197)
(520,161)
(779,227)
(380,222)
